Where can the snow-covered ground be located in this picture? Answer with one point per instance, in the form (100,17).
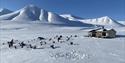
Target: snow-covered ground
(83,50)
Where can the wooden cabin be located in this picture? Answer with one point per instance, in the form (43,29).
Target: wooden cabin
(102,33)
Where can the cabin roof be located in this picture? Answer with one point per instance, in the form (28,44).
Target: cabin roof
(100,29)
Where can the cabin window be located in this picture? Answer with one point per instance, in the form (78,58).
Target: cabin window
(93,34)
(103,33)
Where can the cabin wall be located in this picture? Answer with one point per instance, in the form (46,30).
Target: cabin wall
(99,34)
(111,34)
(90,34)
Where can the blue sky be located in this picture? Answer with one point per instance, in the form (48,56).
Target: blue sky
(83,8)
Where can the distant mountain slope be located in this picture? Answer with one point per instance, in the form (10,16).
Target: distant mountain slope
(9,16)
(106,21)
(4,11)
(122,22)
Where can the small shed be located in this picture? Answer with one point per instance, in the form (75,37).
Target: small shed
(102,33)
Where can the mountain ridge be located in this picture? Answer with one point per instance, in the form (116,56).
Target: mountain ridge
(34,13)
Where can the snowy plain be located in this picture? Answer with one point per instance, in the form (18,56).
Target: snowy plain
(84,50)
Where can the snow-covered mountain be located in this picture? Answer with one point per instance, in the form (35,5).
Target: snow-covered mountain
(33,13)
(4,11)
(29,12)
(70,17)
(57,19)
(106,21)
(9,16)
